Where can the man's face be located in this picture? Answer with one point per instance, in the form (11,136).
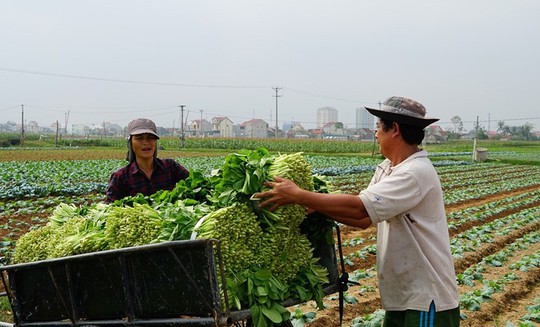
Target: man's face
(383,137)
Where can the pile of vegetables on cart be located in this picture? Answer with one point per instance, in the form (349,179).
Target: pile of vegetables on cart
(267,256)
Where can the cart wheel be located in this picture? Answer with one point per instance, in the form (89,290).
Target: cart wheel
(243,323)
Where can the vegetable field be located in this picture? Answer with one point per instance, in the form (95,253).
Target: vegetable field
(493,213)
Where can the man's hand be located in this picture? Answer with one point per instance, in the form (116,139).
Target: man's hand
(283,191)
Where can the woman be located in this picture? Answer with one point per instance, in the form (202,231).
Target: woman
(145,173)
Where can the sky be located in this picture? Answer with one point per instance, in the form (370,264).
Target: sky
(89,62)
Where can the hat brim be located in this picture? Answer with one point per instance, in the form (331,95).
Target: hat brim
(144,131)
(404,119)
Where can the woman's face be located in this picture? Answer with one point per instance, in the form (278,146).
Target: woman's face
(144,145)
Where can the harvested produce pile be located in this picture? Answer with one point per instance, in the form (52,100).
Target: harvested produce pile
(266,257)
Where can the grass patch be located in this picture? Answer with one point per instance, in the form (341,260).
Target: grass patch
(6,315)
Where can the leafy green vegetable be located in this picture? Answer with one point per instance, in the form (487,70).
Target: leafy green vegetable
(242,174)
(267,257)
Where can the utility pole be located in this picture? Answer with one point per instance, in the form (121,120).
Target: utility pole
(56,137)
(66,118)
(276,96)
(182,125)
(474,141)
(200,124)
(104,131)
(22,125)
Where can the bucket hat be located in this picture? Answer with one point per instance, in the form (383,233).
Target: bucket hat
(403,110)
(142,126)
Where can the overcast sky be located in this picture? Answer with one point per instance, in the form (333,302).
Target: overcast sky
(116,60)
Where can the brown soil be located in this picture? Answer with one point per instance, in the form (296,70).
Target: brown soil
(508,305)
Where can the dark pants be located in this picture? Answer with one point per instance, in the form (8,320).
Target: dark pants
(414,318)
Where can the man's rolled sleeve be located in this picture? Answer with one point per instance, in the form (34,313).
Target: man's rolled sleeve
(394,195)
(370,208)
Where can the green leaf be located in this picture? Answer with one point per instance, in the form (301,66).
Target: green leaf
(263,274)
(250,286)
(302,293)
(261,291)
(350,299)
(272,314)
(257,316)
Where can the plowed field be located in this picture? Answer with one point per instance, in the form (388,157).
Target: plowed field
(506,305)
(493,212)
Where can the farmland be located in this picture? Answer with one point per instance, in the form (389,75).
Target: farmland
(493,211)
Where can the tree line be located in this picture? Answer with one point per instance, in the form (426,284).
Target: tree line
(523,132)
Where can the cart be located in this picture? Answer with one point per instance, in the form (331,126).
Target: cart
(167,284)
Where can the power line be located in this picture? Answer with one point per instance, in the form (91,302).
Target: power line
(106,109)
(130,110)
(128,81)
(276,89)
(173,84)
(486,121)
(329,97)
(10,107)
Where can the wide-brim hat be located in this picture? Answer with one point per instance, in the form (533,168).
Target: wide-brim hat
(142,126)
(403,110)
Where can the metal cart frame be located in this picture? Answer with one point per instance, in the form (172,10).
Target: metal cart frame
(166,284)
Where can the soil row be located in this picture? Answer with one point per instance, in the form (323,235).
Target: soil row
(367,293)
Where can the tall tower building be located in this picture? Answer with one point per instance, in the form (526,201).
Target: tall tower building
(326,115)
(364,119)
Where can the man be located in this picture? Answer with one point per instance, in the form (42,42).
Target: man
(417,281)
(145,173)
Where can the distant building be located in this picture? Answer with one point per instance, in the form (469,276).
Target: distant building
(223,127)
(333,128)
(254,128)
(80,129)
(296,131)
(364,134)
(115,129)
(199,127)
(287,126)
(326,115)
(435,134)
(32,127)
(364,119)
(10,126)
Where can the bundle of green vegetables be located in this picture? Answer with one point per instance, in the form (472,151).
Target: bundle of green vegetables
(267,257)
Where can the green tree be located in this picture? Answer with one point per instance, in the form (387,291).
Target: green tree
(527,131)
(503,128)
(458,124)
(481,133)
(454,132)
(523,132)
